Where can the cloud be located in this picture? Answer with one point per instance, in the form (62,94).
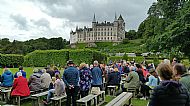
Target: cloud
(21,22)
(42,23)
(133,11)
(30,19)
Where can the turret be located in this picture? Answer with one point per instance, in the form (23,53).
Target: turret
(94,21)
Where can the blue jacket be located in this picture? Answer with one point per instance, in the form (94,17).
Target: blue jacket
(71,76)
(23,74)
(7,79)
(96,76)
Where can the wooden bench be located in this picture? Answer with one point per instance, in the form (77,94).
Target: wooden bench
(17,99)
(5,94)
(121,99)
(57,99)
(111,89)
(100,98)
(87,99)
(132,90)
(36,97)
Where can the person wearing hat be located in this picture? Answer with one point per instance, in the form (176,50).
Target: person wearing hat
(182,75)
(71,79)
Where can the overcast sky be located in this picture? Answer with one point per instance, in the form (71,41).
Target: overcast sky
(31,19)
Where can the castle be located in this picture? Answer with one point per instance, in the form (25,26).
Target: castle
(100,32)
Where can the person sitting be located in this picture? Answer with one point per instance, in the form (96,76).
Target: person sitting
(169,92)
(59,89)
(152,82)
(20,86)
(55,69)
(45,79)
(22,71)
(114,78)
(7,78)
(132,80)
(35,81)
(182,75)
(50,71)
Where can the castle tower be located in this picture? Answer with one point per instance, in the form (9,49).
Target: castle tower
(94,21)
(121,28)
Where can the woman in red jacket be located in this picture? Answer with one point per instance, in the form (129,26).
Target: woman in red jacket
(20,86)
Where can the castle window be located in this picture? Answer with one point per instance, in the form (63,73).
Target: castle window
(104,38)
(108,38)
(111,28)
(111,38)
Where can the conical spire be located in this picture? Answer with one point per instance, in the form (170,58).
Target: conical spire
(94,19)
(115,17)
(120,17)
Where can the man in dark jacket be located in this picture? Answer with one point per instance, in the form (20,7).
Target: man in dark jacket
(114,78)
(22,71)
(71,79)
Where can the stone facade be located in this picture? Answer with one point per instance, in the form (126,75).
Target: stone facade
(100,32)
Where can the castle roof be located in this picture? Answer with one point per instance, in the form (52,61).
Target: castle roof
(105,24)
(120,17)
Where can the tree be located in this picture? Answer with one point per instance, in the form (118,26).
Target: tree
(131,34)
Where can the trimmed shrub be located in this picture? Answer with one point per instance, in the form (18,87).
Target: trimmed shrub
(80,55)
(11,60)
(115,58)
(41,58)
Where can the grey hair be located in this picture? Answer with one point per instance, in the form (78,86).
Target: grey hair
(19,74)
(43,70)
(96,62)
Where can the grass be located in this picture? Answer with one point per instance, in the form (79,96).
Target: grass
(133,46)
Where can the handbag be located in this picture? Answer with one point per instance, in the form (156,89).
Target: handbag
(95,90)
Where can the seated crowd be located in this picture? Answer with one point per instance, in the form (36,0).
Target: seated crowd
(164,85)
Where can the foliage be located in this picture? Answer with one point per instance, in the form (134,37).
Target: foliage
(131,34)
(19,47)
(41,58)
(114,58)
(125,41)
(11,60)
(125,57)
(167,28)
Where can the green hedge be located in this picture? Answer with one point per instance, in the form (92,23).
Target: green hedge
(114,58)
(11,59)
(41,58)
